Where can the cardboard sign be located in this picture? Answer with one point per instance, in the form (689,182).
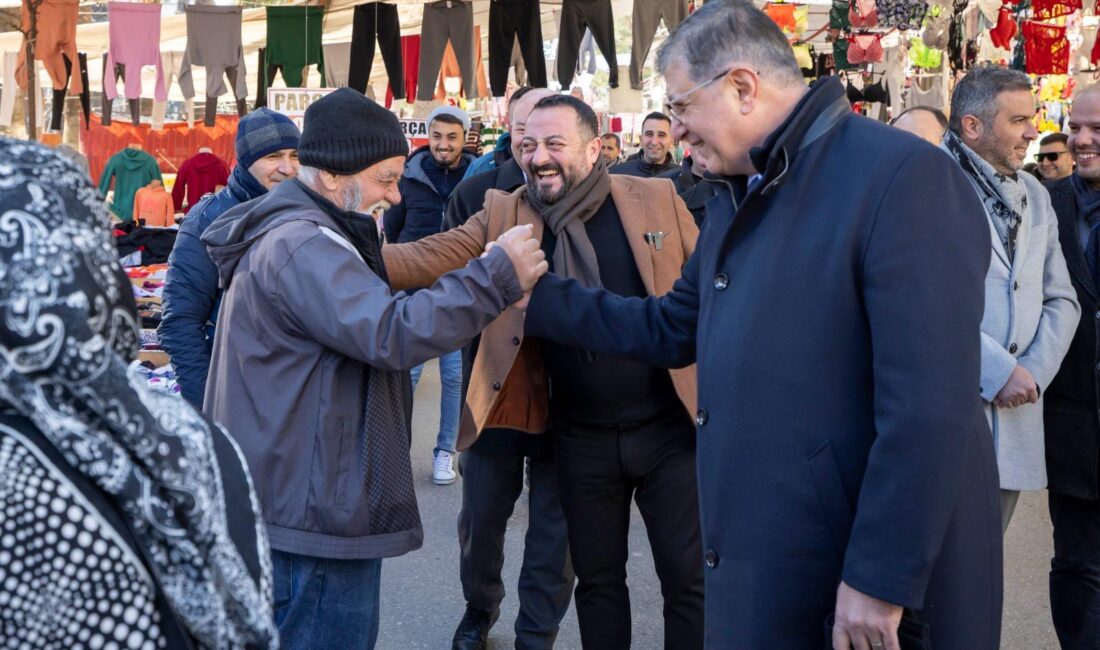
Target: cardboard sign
(293,102)
(416,132)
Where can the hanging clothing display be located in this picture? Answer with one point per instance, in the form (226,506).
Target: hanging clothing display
(1002,34)
(154,205)
(838,15)
(1046,48)
(293,44)
(172,62)
(131,169)
(214,42)
(115,72)
(648,16)
(937,29)
(923,56)
(840,54)
(586,61)
(135,42)
(8,91)
(576,15)
(903,14)
(376,20)
(337,64)
(932,96)
(894,64)
(198,175)
(512,22)
(863,14)
(1051,9)
(55,44)
(450,68)
(57,108)
(446,20)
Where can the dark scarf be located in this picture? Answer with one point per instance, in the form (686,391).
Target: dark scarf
(68,333)
(574,256)
(385,440)
(245,185)
(1004,198)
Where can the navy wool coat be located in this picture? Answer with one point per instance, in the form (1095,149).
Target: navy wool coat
(834,309)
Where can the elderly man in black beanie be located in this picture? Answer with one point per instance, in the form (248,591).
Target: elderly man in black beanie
(308,360)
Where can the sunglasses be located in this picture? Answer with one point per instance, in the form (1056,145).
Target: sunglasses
(1050,157)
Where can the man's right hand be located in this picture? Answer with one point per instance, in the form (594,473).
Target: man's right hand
(526,255)
(1020,389)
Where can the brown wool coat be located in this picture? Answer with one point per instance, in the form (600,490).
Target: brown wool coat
(508,385)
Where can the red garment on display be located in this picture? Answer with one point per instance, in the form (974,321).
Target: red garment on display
(410,59)
(1051,9)
(198,175)
(782,15)
(1046,48)
(1094,58)
(616,125)
(863,13)
(1006,28)
(865,48)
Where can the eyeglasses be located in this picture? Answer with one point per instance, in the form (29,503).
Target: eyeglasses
(676,107)
(1051,156)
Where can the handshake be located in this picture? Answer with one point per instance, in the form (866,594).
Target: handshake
(526,255)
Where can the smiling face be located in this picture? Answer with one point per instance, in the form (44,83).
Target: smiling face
(1084,136)
(275,167)
(446,141)
(554,154)
(656,140)
(1004,142)
(1060,167)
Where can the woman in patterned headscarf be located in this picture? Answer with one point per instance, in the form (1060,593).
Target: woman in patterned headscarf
(125,517)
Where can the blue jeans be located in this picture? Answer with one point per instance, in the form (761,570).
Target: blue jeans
(322,603)
(450,399)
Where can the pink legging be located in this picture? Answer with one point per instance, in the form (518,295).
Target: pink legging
(135,42)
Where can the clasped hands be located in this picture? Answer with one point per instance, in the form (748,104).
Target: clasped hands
(526,255)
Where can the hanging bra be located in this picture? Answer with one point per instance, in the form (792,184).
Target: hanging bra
(1006,28)
(840,54)
(1046,48)
(838,15)
(923,56)
(862,14)
(865,48)
(936,28)
(873,94)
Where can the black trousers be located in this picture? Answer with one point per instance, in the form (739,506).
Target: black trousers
(111,77)
(599,472)
(491,483)
(576,15)
(59,94)
(370,21)
(509,20)
(1075,571)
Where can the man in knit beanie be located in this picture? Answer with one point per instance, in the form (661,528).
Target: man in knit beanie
(310,359)
(266,147)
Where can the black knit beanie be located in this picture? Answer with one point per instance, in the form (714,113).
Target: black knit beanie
(345,133)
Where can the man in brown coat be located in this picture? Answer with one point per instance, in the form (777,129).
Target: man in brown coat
(621,429)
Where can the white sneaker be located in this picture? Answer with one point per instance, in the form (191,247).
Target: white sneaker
(443,471)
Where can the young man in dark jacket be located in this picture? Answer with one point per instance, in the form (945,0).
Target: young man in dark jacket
(267,153)
(307,365)
(656,157)
(1071,421)
(431,175)
(692,187)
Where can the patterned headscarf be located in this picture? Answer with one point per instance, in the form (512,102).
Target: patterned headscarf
(67,334)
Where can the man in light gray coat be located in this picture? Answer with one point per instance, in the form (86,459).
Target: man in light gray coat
(1031,309)
(307,364)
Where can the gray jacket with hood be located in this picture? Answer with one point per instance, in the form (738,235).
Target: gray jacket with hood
(302,320)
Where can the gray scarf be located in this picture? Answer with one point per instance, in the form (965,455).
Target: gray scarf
(68,331)
(1004,198)
(574,256)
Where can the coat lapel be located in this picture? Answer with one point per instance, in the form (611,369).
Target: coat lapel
(1072,249)
(636,223)
(1023,237)
(998,245)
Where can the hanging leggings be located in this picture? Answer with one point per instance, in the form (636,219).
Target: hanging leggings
(7,95)
(445,20)
(647,16)
(214,41)
(293,44)
(119,72)
(587,60)
(509,20)
(85,94)
(575,16)
(370,21)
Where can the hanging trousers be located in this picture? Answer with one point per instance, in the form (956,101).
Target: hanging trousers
(510,20)
(214,41)
(587,58)
(293,44)
(85,94)
(376,20)
(647,16)
(172,62)
(118,71)
(337,64)
(445,20)
(7,95)
(576,15)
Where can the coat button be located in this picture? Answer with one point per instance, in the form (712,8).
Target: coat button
(1098,315)
(721,281)
(515,340)
(1016,286)
(1012,348)
(700,417)
(496,385)
(711,559)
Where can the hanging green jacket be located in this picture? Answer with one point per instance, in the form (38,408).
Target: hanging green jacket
(131,169)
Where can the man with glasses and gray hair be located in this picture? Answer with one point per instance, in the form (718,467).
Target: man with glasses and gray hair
(847,477)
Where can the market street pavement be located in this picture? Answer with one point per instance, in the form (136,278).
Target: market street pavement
(422,597)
